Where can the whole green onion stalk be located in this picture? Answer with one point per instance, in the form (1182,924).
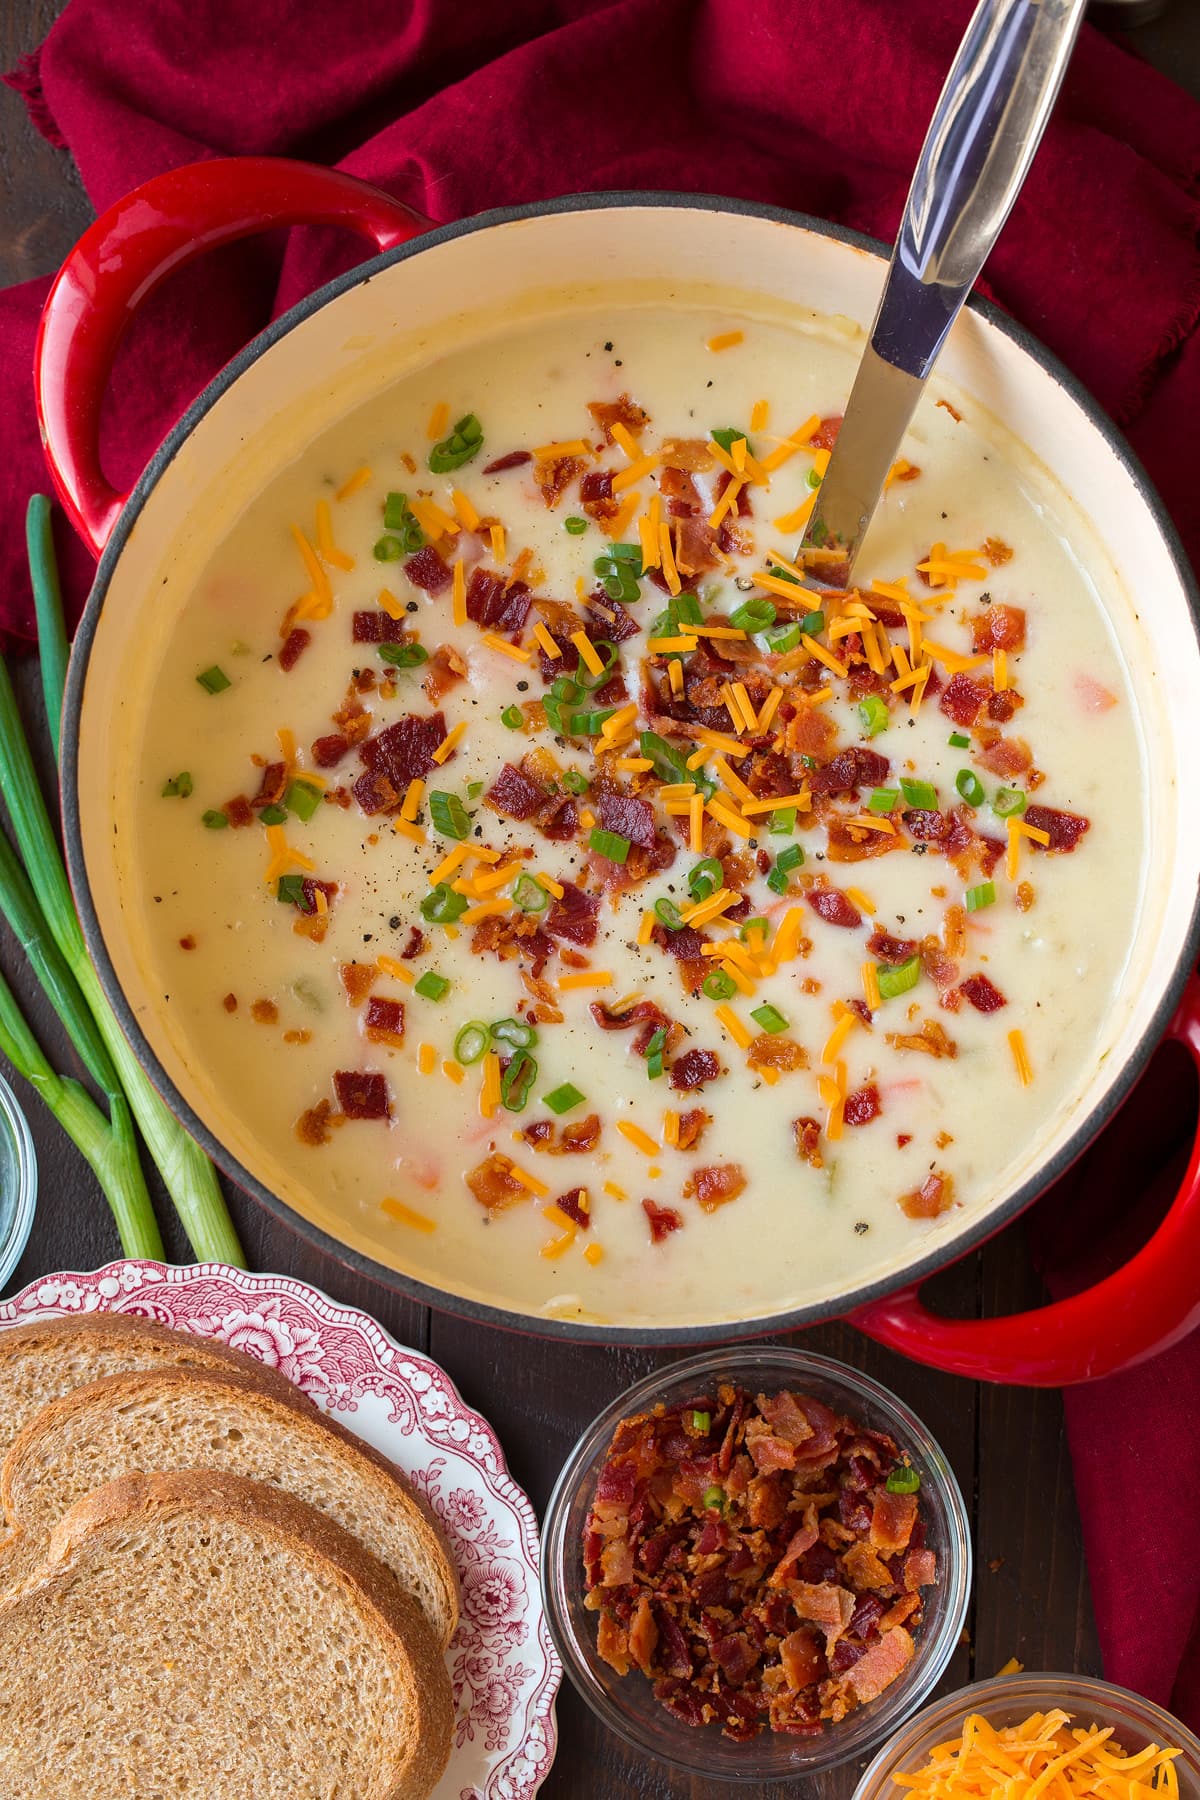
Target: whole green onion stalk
(46,899)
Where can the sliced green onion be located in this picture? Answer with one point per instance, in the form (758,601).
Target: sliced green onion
(754,615)
(214,820)
(669,913)
(448,815)
(921,794)
(53,648)
(780,642)
(625,553)
(782,574)
(670,766)
(1009,802)
(783,822)
(959,740)
(471,1042)
(610,844)
(395,511)
(727,436)
(719,985)
(714,1497)
(575,781)
(575,525)
(590,724)
(899,978)
(517,1080)
(272,815)
(983,895)
(883,800)
(874,715)
(403,656)
(474,789)
(214,680)
(813,624)
(529,895)
(777,880)
(705,878)
(561,1099)
(513,717)
(791,858)
(655,1066)
(432,986)
(442,906)
(903,1480)
(515,1033)
(699,1422)
(688,610)
(748,925)
(770,1018)
(657,1041)
(463,443)
(303,799)
(178,784)
(387,549)
(969,786)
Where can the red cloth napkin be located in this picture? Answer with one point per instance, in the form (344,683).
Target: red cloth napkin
(809,105)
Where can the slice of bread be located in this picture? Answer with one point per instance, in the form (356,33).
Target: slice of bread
(201,1637)
(173,1419)
(47,1357)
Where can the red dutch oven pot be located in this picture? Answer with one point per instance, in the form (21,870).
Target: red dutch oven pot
(1152,1301)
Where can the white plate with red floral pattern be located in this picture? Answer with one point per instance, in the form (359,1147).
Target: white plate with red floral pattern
(502,1663)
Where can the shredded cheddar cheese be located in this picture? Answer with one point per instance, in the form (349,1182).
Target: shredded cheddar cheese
(583,978)
(406,1215)
(439,418)
(516,651)
(1044,1755)
(354,482)
(641,1140)
(465,510)
(434,521)
(1016,1043)
(449,742)
(546,643)
(489,1092)
(626,477)
(729,1022)
(427,1059)
(499,547)
(387,965)
(725,340)
(870,981)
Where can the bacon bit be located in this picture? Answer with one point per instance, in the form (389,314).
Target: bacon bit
(494,1184)
(773,1050)
(515,459)
(230,1003)
(187,943)
(830,904)
(495,604)
(934,1196)
(362,1094)
(315,1126)
(357,979)
(555,475)
(383,1021)
(807,1134)
(983,994)
(954,930)
(327,752)
(932,1039)
(715,1185)
(995,549)
(962,699)
(663,1220)
(575,1207)
(574,916)
(428,570)
(955,415)
(862,1106)
(998,628)
(1063,829)
(264,1012)
(1007,757)
(293,647)
(890,949)
(1024,896)
(693,1069)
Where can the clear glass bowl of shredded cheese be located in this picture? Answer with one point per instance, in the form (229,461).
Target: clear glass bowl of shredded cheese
(1034,1735)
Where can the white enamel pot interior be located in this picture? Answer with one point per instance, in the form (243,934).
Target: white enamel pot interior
(331,354)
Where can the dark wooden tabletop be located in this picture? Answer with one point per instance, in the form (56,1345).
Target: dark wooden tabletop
(1007,1446)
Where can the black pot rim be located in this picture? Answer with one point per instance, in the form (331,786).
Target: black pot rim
(993,1218)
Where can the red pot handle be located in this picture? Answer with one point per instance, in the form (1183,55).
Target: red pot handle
(1145,1307)
(123,257)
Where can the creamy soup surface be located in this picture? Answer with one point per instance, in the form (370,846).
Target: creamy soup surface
(781,991)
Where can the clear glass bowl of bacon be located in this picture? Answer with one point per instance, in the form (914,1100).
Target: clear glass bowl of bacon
(1023,1724)
(756,1564)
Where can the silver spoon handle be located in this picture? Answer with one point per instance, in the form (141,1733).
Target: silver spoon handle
(987,126)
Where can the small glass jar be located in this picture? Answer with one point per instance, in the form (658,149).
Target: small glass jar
(626,1704)
(1008,1699)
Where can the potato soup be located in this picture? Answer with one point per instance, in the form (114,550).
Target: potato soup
(601,921)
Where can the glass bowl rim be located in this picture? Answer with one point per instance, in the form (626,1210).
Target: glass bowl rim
(12,1244)
(842,1746)
(1044,1686)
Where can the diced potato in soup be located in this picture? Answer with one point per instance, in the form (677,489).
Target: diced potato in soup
(599,921)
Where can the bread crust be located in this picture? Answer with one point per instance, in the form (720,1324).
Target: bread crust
(278,1403)
(396,1623)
